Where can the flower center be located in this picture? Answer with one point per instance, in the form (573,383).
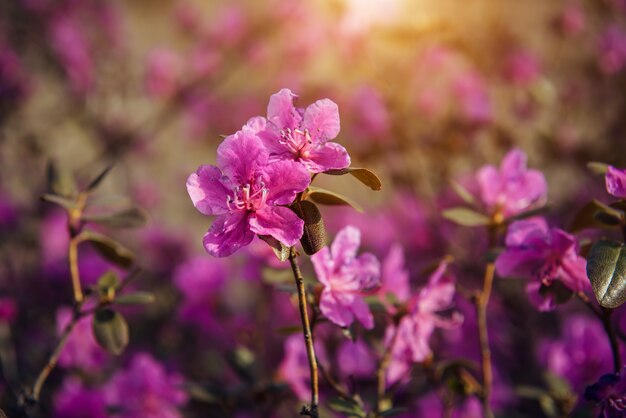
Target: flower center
(298,141)
(250,196)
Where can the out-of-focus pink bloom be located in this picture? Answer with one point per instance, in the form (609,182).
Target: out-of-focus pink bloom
(512,188)
(163,249)
(371,115)
(543,255)
(205,60)
(474,101)
(355,359)
(74,400)
(229,25)
(303,135)
(13,78)
(82,350)
(581,355)
(247,193)
(615,180)
(145,389)
(345,277)
(8,309)
(572,20)
(200,280)
(163,73)
(612,50)
(72,48)
(394,277)
(415,329)
(522,68)
(609,393)
(294,368)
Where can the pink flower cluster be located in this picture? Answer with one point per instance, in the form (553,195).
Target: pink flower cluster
(260,170)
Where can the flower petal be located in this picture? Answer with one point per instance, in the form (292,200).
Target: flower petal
(367,271)
(281,112)
(514,163)
(329,156)
(520,231)
(345,245)
(333,306)
(240,156)
(207,192)
(321,119)
(280,222)
(615,180)
(323,265)
(362,312)
(228,233)
(285,179)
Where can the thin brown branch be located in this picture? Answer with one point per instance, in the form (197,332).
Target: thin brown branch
(382,371)
(483,334)
(312,409)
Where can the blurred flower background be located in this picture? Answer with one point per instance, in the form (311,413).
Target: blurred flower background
(428,93)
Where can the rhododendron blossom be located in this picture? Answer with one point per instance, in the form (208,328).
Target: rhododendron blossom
(247,192)
(302,135)
(410,345)
(616,182)
(345,278)
(543,255)
(610,393)
(512,188)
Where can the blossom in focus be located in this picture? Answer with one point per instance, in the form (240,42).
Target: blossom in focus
(145,389)
(615,180)
(345,278)
(609,393)
(294,368)
(74,400)
(581,354)
(82,350)
(302,135)
(410,345)
(512,188)
(247,192)
(543,255)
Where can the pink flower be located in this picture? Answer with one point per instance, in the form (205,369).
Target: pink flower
(572,19)
(345,277)
(415,328)
(522,68)
(295,365)
(612,50)
(81,350)
(302,135)
(615,180)
(163,73)
(543,255)
(247,193)
(356,359)
(74,400)
(145,389)
(513,188)
(471,91)
(395,277)
(72,48)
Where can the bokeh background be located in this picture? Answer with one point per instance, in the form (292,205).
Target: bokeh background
(428,92)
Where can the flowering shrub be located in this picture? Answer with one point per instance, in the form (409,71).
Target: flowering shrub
(397,209)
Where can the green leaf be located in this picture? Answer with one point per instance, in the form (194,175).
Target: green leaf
(281,251)
(466,217)
(133,217)
(463,193)
(528,214)
(201,394)
(348,408)
(364,175)
(606,269)
(111,330)
(328,197)
(61,182)
(108,280)
(64,202)
(597,168)
(135,298)
(314,235)
(549,406)
(587,217)
(110,249)
(98,179)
